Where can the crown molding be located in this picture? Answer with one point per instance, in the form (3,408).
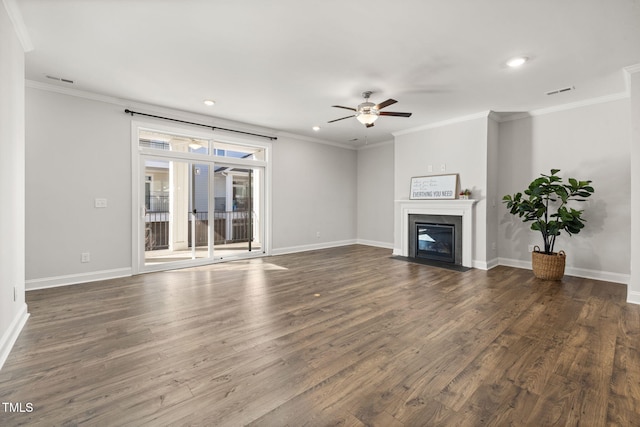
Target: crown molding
(494,116)
(475,116)
(564,107)
(125,103)
(376,145)
(314,140)
(579,104)
(15,16)
(148,108)
(77,93)
(632,69)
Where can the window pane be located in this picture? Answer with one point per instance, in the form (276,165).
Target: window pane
(237,151)
(162,141)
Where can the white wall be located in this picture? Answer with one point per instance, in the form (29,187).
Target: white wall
(79,149)
(13,310)
(633,294)
(493,197)
(462,148)
(314,191)
(590,142)
(375,195)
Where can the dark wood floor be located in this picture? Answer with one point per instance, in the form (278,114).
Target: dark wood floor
(345,336)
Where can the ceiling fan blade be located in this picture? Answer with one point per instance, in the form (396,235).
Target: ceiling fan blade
(369,125)
(346,108)
(385,104)
(391,113)
(342,118)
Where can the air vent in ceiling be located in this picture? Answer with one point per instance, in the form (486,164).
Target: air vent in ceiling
(564,89)
(59,79)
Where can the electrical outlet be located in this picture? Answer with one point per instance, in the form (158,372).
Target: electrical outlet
(443,167)
(100,203)
(318,234)
(85,257)
(429,168)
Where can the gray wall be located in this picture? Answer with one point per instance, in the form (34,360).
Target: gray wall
(79,149)
(314,191)
(462,148)
(12,158)
(634,288)
(493,196)
(375,195)
(589,142)
(497,158)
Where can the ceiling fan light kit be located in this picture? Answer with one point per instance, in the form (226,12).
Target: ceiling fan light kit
(368,112)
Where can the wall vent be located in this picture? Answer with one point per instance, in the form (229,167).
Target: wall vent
(59,79)
(564,89)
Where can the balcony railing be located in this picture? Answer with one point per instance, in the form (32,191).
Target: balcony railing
(228,227)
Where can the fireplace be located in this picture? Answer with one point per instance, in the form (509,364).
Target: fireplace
(436,238)
(435,211)
(435,241)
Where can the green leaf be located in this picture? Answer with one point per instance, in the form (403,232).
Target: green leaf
(574,183)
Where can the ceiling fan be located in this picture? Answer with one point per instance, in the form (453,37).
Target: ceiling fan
(368,112)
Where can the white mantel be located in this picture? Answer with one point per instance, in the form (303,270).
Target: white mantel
(455,207)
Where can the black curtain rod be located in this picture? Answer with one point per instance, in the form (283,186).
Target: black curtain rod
(198,124)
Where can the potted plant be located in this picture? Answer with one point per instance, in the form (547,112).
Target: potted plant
(544,203)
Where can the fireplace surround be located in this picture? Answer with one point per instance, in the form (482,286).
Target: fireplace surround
(456,208)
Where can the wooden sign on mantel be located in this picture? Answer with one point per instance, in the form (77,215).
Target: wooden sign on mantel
(434,187)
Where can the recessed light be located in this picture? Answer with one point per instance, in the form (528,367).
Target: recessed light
(209,102)
(316,128)
(516,62)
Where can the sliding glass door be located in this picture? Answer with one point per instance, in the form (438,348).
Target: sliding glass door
(176,211)
(239,197)
(197,200)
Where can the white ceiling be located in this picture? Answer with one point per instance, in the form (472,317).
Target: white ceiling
(281,64)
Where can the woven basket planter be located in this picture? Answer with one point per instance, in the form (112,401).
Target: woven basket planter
(548,266)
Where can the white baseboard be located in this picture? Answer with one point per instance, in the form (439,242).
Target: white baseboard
(507,262)
(384,245)
(488,265)
(74,279)
(493,263)
(11,335)
(633,297)
(606,276)
(316,246)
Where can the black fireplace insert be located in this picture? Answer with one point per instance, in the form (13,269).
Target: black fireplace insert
(435,242)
